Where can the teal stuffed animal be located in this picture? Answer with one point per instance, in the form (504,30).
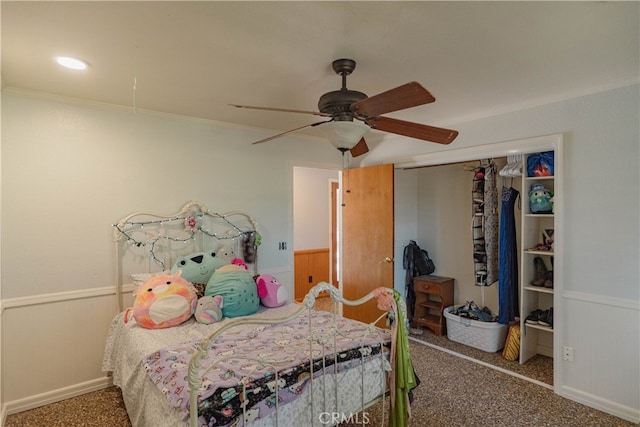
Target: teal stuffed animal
(237,288)
(539,199)
(198,267)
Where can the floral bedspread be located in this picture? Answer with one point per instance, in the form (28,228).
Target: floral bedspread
(252,356)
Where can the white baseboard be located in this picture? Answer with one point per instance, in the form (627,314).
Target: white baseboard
(54,396)
(595,402)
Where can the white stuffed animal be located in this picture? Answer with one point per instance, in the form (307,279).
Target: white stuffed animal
(226,254)
(209,309)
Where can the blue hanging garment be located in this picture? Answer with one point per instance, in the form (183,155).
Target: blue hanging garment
(508,304)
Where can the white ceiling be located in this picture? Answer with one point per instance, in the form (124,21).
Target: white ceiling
(195,58)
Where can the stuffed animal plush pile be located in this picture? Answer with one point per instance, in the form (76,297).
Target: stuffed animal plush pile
(163,301)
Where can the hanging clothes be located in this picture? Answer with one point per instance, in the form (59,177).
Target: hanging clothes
(491,223)
(485,223)
(508,272)
(477,226)
(408,263)
(416,262)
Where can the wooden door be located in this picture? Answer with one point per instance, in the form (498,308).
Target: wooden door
(367,233)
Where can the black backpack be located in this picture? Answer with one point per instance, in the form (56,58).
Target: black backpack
(416,261)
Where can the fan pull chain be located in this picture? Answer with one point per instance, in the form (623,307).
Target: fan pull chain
(135,83)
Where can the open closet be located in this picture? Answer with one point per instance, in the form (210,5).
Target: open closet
(447,210)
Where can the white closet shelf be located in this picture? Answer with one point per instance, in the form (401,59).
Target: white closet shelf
(535,252)
(541,289)
(539,327)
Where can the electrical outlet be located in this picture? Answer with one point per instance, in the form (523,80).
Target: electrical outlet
(567,354)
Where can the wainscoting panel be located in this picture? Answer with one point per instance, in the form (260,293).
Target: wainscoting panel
(52,348)
(604,334)
(55,344)
(311,266)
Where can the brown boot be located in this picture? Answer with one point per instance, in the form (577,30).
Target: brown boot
(539,272)
(549,282)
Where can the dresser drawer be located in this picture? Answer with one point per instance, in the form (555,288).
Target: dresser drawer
(426,287)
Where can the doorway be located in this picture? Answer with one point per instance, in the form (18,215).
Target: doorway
(314,227)
(545,143)
(335,234)
(446,260)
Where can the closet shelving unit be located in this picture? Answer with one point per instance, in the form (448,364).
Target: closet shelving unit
(536,339)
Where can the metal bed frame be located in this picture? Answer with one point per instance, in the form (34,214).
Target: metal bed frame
(161,238)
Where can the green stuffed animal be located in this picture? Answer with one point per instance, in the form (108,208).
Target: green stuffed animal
(198,268)
(237,288)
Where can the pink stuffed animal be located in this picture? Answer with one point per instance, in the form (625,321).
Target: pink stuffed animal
(240,262)
(271,292)
(163,301)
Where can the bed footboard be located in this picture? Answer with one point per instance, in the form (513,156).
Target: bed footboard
(332,345)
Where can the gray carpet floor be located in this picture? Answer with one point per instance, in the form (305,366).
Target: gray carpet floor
(539,368)
(454,391)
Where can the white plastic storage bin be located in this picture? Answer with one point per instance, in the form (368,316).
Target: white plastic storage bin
(486,336)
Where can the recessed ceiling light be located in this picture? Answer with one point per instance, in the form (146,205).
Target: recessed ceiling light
(72,63)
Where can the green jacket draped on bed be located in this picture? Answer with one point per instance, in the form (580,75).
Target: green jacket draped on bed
(402,379)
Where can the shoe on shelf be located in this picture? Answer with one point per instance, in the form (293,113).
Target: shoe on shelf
(547,318)
(549,282)
(539,272)
(543,317)
(534,317)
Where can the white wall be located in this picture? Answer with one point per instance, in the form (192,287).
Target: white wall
(69,171)
(312,207)
(601,178)
(405,221)
(599,310)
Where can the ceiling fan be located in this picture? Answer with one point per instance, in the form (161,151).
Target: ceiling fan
(344,105)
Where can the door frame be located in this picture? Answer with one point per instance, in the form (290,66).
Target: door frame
(335,231)
(299,164)
(501,149)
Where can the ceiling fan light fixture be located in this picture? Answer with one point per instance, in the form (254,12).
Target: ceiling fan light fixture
(344,135)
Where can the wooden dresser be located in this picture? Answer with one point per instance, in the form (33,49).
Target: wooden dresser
(433,295)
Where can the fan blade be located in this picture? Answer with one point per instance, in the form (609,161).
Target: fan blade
(406,96)
(281,110)
(360,148)
(413,130)
(289,131)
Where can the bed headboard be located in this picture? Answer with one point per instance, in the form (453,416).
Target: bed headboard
(148,242)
